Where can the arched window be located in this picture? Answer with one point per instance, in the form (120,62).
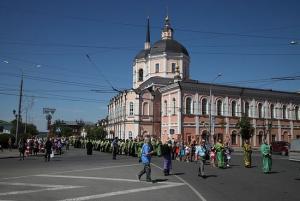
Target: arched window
(272,111)
(297,113)
(219,107)
(234,138)
(284,112)
(146,109)
(141,75)
(260,137)
(188,105)
(204,106)
(233,108)
(165,108)
(247,109)
(173,68)
(157,68)
(130,134)
(131,108)
(260,110)
(174,106)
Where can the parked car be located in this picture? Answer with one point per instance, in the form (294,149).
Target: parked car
(280,147)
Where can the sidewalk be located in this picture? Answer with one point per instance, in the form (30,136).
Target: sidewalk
(14,153)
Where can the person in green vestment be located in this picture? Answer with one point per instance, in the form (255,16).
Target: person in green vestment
(265,150)
(247,153)
(220,153)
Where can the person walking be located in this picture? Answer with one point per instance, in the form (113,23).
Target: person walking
(89,147)
(220,153)
(146,160)
(21,147)
(166,153)
(227,154)
(200,153)
(265,150)
(115,148)
(247,154)
(48,149)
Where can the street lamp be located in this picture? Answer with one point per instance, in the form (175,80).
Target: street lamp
(210,102)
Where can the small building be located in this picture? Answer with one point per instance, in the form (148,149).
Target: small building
(5,127)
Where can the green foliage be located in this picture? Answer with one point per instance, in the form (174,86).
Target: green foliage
(64,129)
(4,139)
(246,129)
(95,133)
(31,129)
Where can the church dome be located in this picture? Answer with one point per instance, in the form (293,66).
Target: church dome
(168,46)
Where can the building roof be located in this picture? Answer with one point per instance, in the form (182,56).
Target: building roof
(158,81)
(168,46)
(237,91)
(161,47)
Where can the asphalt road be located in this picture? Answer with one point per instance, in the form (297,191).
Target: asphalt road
(76,176)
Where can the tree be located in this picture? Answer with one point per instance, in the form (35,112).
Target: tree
(246,129)
(31,130)
(95,132)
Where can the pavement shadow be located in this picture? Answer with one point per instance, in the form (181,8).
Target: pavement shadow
(159,180)
(233,165)
(297,179)
(210,175)
(177,173)
(273,172)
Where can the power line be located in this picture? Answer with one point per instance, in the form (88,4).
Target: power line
(57,97)
(101,73)
(56,81)
(31,11)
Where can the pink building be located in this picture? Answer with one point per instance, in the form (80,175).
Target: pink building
(166,104)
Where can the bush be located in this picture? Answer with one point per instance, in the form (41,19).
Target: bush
(4,139)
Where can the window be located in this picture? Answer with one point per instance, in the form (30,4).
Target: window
(130,134)
(174,106)
(204,106)
(284,112)
(260,137)
(259,110)
(188,105)
(173,68)
(166,108)
(172,131)
(131,108)
(219,107)
(146,109)
(141,75)
(247,109)
(234,138)
(272,111)
(297,113)
(233,109)
(157,68)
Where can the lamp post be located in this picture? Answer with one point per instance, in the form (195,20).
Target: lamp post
(211,122)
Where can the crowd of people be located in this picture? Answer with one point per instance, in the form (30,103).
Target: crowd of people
(218,155)
(48,146)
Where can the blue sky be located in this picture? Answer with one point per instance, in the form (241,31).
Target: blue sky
(49,41)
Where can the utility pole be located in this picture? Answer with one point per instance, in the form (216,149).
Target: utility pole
(19,110)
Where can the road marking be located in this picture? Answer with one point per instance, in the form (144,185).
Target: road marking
(99,178)
(99,168)
(186,183)
(80,170)
(48,188)
(123,192)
